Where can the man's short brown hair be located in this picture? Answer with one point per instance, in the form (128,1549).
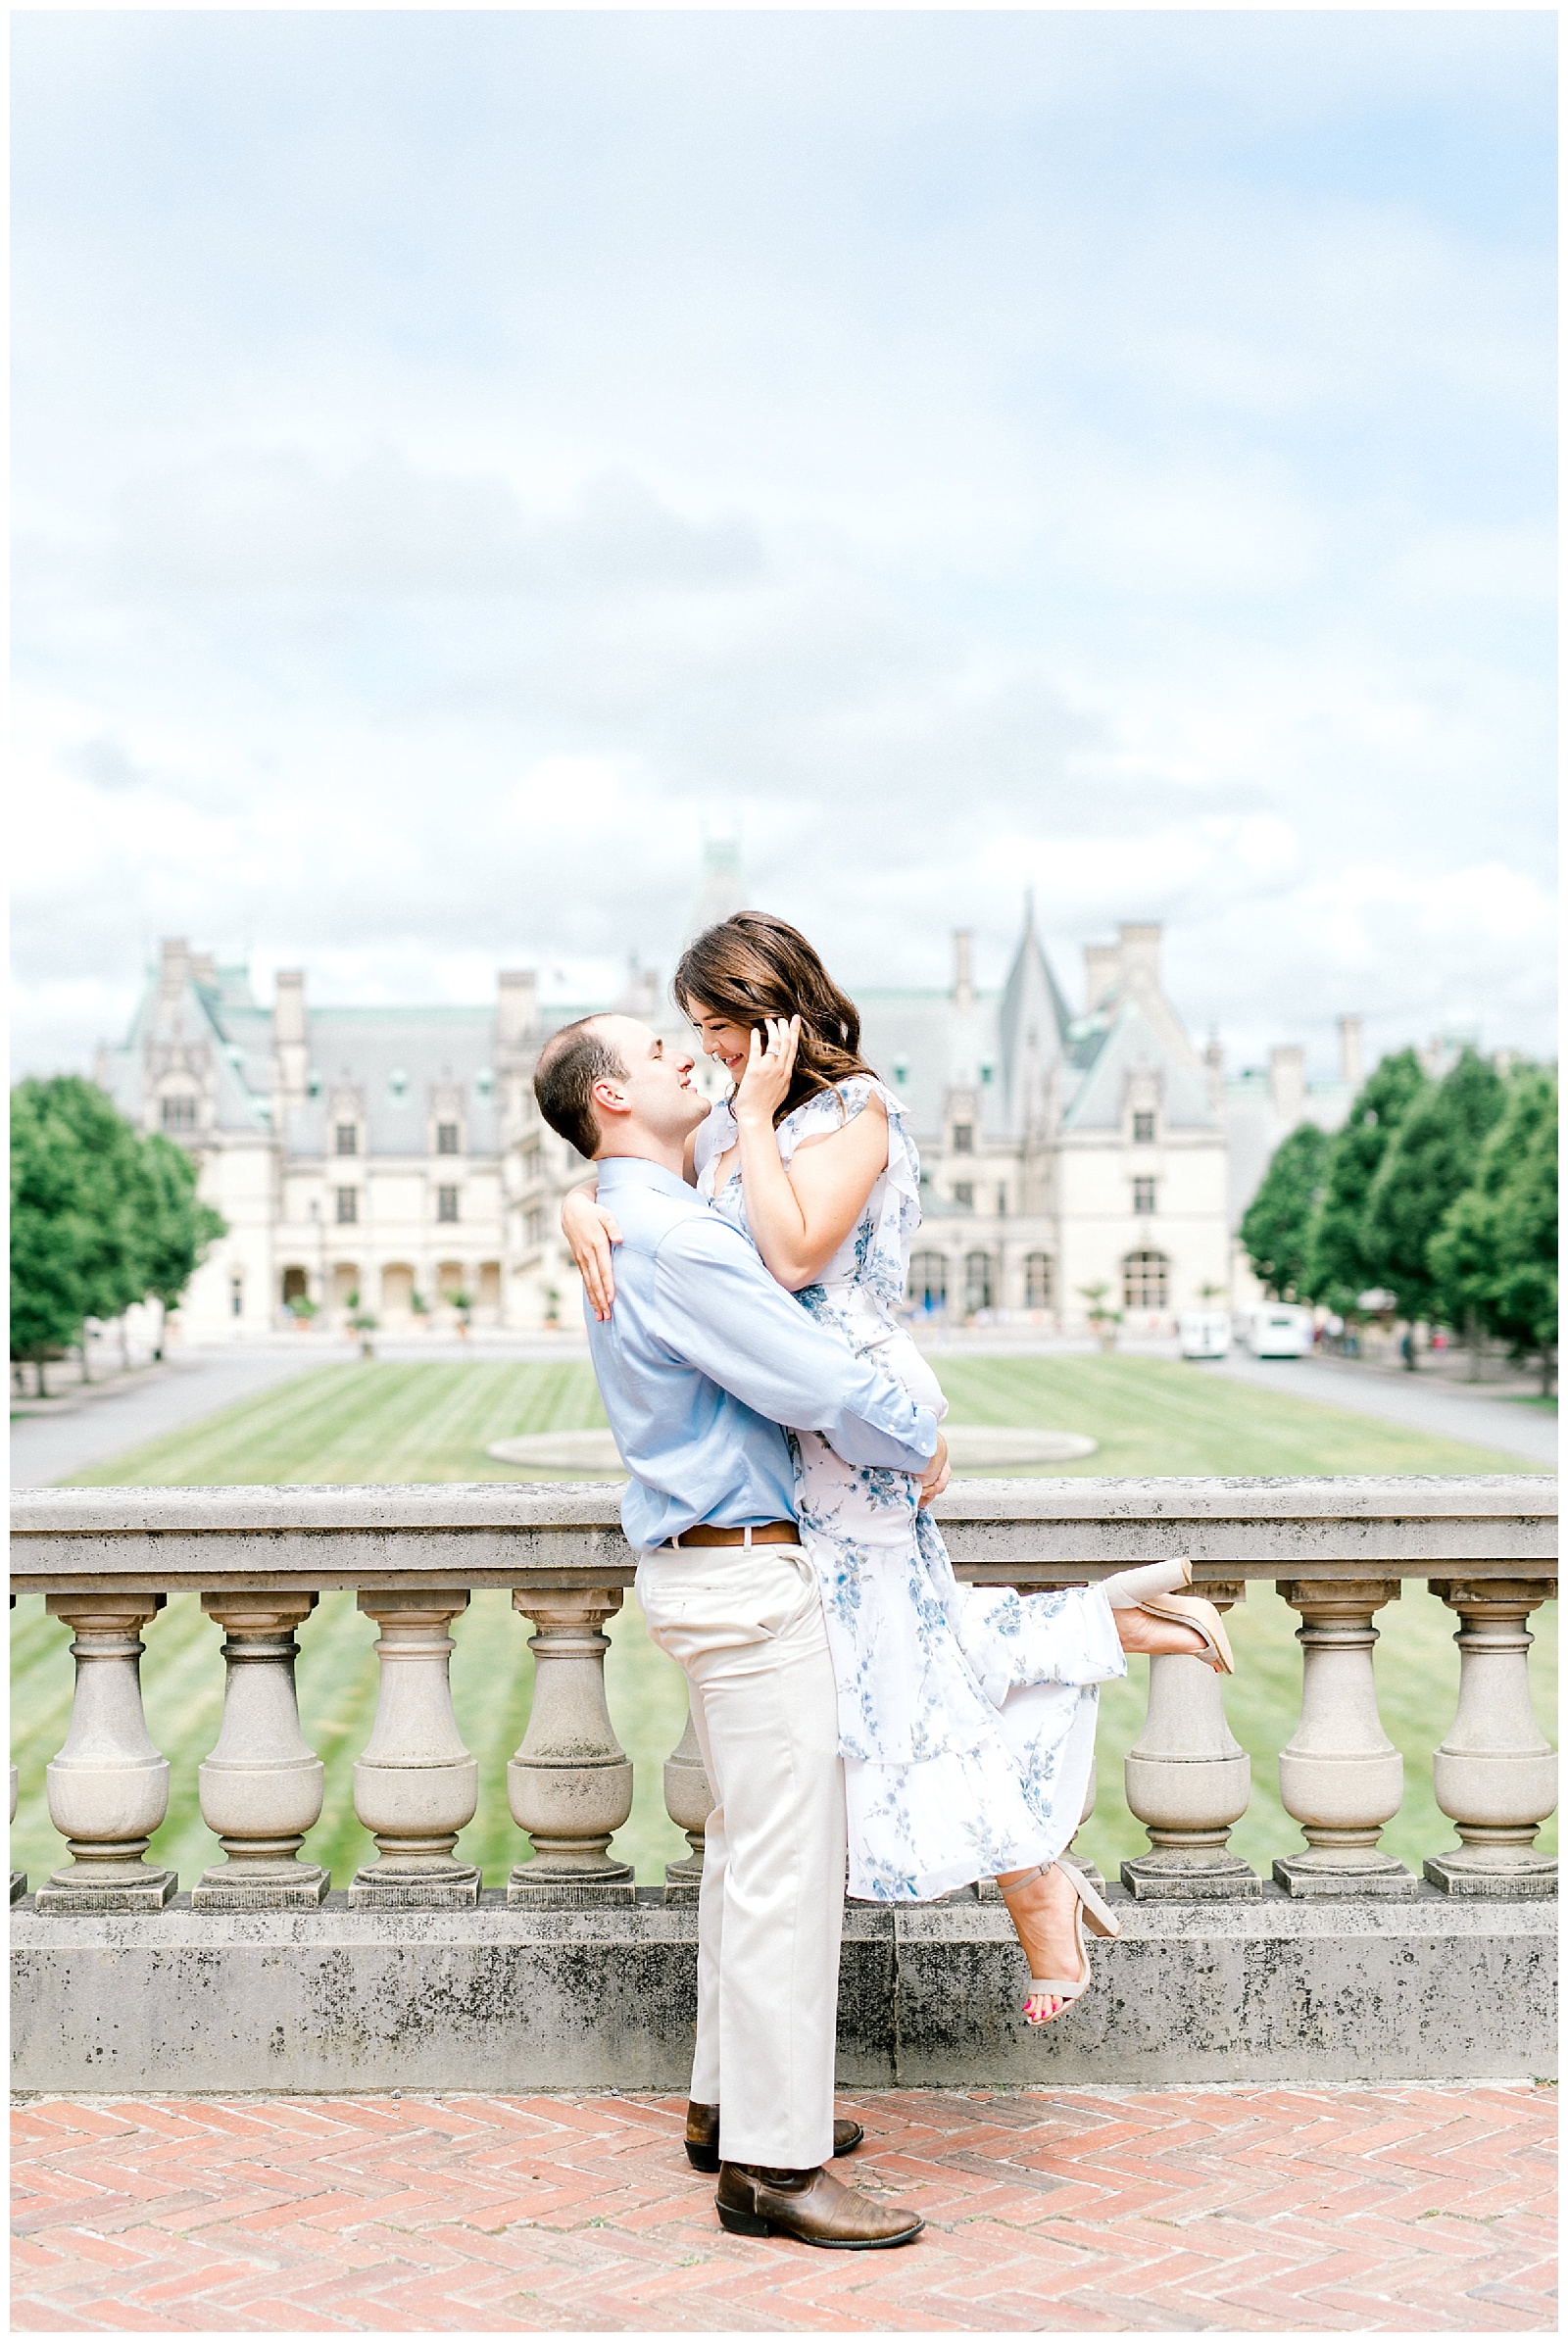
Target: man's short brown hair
(569,1063)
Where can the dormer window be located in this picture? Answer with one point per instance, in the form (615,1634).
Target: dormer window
(397,1081)
(986,1072)
(180,1113)
(484,1081)
(446,1139)
(1142,1130)
(1143,1196)
(347,1138)
(963,1138)
(900,1073)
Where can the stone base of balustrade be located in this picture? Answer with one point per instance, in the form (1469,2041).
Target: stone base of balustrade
(1190,1879)
(509,1998)
(457,1891)
(684,1881)
(151,1891)
(18,1885)
(528,1889)
(1529,1878)
(1373,1874)
(304,1887)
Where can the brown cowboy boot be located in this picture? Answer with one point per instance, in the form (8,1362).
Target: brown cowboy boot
(812,2207)
(701,2136)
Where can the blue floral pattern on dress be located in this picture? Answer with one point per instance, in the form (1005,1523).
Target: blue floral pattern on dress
(966,1714)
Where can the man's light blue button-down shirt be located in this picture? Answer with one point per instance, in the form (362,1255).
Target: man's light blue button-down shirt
(704,1357)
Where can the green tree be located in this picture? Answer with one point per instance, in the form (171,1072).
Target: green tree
(101,1217)
(1429,1162)
(50,1230)
(118,1228)
(1337,1270)
(1495,1258)
(179,1229)
(1277,1226)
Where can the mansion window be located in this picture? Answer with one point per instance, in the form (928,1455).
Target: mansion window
(977,1280)
(900,1073)
(1037,1281)
(1143,1196)
(1145,1281)
(533,1229)
(963,1138)
(446,1203)
(348,1138)
(180,1113)
(531,1158)
(964,1192)
(236,1296)
(928,1279)
(1142,1130)
(348,1206)
(446,1140)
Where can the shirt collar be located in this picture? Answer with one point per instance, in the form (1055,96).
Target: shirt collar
(617,1171)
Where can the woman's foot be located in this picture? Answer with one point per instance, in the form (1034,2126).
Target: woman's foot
(1044,1913)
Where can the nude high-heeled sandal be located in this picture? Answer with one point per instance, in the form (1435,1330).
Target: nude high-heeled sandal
(1091,1906)
(1153,1589)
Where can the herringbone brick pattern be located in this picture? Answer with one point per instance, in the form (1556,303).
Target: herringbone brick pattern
(1407,2211)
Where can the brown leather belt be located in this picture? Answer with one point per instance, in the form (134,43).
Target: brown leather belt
(768,1533)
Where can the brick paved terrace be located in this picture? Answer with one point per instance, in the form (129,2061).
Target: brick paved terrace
(1409,2210)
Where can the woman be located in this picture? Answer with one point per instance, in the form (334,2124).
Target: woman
(966,1714)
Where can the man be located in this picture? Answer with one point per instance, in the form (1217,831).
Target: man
(702,1360)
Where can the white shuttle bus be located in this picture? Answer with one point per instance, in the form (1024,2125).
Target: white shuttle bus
(1280,1330)
(1205,1333)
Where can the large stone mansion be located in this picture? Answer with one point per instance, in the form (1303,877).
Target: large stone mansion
(391,1158)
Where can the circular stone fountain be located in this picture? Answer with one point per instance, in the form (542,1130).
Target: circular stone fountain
(971,1446)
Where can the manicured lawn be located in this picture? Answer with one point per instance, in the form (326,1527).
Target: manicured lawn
(433,1423)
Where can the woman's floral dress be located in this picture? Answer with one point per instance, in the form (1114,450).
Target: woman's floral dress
(966,1714)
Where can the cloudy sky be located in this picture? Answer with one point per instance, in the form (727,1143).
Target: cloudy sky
(463,459)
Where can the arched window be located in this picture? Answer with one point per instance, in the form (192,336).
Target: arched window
(1146,1281)
(1037,1281)
(928,1281)
(977,1280)
(296,1285)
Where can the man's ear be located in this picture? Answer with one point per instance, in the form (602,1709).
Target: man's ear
(608,1098)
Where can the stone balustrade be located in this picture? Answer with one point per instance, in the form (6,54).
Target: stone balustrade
(1339,1550)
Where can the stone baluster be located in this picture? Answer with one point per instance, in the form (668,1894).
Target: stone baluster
(688,1801)
(570,1783)
(1189,1782)
(18,1879)
(260,1788)
(109,1787)
(1496,1775)
(1342,1778)
(415,1787)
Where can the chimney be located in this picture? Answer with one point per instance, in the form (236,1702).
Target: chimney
(964,967)
(1140,957)
(1350,1052)
(290,1043)
(174,972)
(516,1009)
(1287,1083)
(1103,973)
(204,967)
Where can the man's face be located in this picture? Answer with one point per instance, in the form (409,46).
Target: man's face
(657,1088)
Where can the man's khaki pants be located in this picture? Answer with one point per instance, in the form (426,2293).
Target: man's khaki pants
(745,1625)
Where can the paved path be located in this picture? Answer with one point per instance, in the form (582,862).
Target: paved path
(160,1399)
(1404,2211)
(1424,1402)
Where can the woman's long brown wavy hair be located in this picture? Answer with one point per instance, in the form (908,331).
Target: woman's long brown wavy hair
(752,967)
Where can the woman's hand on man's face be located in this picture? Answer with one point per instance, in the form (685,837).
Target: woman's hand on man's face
(770,1067)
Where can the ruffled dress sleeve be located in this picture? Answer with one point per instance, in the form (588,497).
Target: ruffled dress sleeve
(877,1253)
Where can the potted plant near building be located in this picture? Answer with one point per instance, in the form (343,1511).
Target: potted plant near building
(362,1323)
(463,1303)
(1101,1317)
(420,1307)
(301,1309)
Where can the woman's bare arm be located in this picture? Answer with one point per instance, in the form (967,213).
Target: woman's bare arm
(591,1231)
(798,1217)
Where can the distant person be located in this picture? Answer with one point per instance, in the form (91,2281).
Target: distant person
(966,1715)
